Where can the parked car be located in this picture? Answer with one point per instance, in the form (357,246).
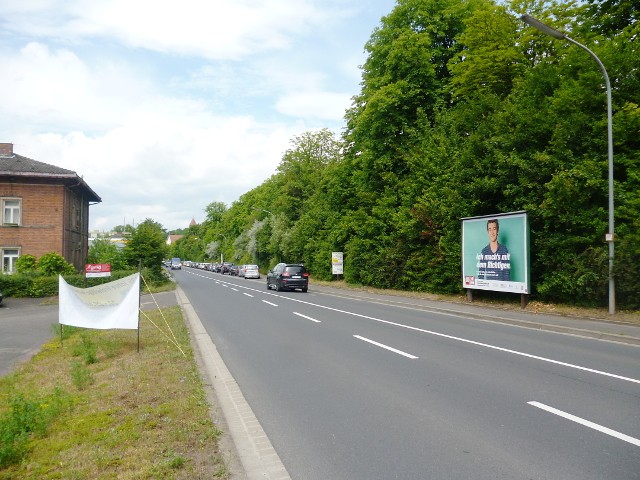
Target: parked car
(226,267)
(251,271)
(288,276)
(233,270)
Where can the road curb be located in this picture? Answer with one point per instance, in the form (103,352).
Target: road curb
(257,455)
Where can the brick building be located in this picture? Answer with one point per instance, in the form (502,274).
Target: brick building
(43,209)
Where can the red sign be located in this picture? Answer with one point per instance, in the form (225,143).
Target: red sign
(97,270)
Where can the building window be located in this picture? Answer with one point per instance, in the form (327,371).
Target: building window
(9,257)
(11,211)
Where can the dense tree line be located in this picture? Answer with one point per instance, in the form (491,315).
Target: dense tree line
(463,111)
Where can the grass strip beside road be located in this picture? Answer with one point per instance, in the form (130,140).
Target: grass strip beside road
(92,407)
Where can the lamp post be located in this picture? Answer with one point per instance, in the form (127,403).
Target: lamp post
(265,211)
(529,20)
(221,256)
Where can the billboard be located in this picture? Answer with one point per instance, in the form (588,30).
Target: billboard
(495,253)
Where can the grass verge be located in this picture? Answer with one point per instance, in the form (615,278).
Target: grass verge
(91,406)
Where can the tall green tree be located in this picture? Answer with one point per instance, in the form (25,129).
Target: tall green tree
(301,168)
(148,246)
(102,250)
(466,111)
(405,81)
(611,17)
(490,61)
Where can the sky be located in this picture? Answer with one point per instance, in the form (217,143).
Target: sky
(164,107)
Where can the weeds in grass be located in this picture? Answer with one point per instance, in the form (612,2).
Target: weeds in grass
(222,471)
(86,349)
(64,332)
(175,462)
(129,409)
(26,417)
(109,347)
(81,375)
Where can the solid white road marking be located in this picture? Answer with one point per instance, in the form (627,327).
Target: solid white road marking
(587,423)
(408,355)
(308,318)
(459,339)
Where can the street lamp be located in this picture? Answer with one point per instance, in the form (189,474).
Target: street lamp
(270,213)
(225,239)
(262,210)
(529,20)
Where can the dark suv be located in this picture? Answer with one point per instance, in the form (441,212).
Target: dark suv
(288,276)
(226,267)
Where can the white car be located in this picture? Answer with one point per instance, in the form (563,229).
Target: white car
(251,271)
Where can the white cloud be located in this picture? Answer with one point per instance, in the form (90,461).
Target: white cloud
(167,164)
(164,107)
(57,87)
(220,29)
(315,105)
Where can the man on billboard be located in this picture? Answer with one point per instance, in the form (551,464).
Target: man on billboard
(495,261)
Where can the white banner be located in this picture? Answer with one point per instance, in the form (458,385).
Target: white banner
(111,305)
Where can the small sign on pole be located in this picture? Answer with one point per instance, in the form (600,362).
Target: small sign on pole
(337,263)
(92,270)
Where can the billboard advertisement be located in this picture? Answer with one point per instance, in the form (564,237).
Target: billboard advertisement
(495,253)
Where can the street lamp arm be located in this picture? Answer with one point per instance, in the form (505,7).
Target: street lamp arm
(262,210)
(529,20)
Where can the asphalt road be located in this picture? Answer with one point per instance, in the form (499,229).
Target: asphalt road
(366,388)
(363,386)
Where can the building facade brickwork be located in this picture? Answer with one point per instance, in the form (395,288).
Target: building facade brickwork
(50,210)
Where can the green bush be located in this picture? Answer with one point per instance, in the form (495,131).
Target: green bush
(154,278)
(43,287)
(16,285)
(53,263)
(26,263)
(36,285)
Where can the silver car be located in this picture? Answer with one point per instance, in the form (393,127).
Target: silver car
(251,271)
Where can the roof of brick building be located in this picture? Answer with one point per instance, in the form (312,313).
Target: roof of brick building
(13,165)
